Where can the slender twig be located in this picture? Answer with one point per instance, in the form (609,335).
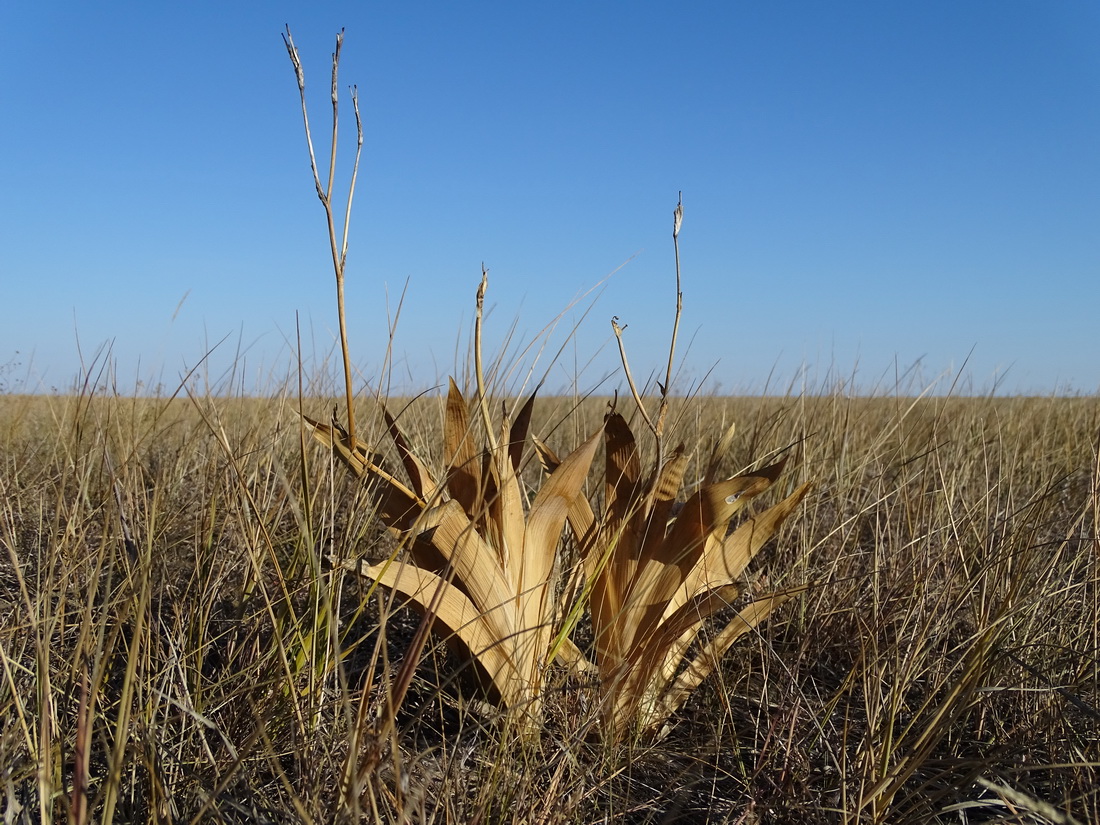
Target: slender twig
(677,220)
(657,427)
(299,73)
(335,112)
(479,372)
(629,377)
(662,410)
(354,174)
(339,248)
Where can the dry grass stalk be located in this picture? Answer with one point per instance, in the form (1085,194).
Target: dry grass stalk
(337,245)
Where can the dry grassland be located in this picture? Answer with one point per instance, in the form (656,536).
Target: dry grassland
(178,642)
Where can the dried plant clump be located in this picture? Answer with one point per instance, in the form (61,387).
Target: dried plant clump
(480,559)
(655,575)
(483,564)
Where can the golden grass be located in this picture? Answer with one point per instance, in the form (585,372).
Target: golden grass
(169,619)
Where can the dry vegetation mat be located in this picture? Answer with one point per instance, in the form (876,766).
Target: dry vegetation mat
(180,640)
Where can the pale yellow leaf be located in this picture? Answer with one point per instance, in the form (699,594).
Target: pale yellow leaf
(423,483)
(475,564)
(721,447)
(461,617)
(545,521)
(398,506)
(506,504)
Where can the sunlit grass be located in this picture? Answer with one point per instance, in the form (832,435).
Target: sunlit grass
(201,620)
(163,563)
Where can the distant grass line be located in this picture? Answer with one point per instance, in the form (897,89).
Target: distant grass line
(166,553)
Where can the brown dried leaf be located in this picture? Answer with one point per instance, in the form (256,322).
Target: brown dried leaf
(747,619)
(623,472)
(421,477)
(708,512)
(651,650)
(398,506)
(547,457)
(517,436)
(663,498)
(460,453)
(739,548)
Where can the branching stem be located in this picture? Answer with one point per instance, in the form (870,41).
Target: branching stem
(657,427)
(338,247)
(629,377)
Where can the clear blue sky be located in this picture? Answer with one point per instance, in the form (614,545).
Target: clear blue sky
(866,185)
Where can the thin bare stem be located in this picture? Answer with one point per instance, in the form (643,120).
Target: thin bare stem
(629,377)
(335,111)
(662,409)
(339,249)
(354,174)
(483,401)
(658,427)
(299,73)
(677,220)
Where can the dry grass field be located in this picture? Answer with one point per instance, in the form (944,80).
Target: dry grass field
(181,641)
(842,610)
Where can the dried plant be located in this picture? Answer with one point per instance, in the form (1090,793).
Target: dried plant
(655,575)
(654,578)
(481,561)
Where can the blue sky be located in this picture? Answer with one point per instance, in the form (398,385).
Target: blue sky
(869,189)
